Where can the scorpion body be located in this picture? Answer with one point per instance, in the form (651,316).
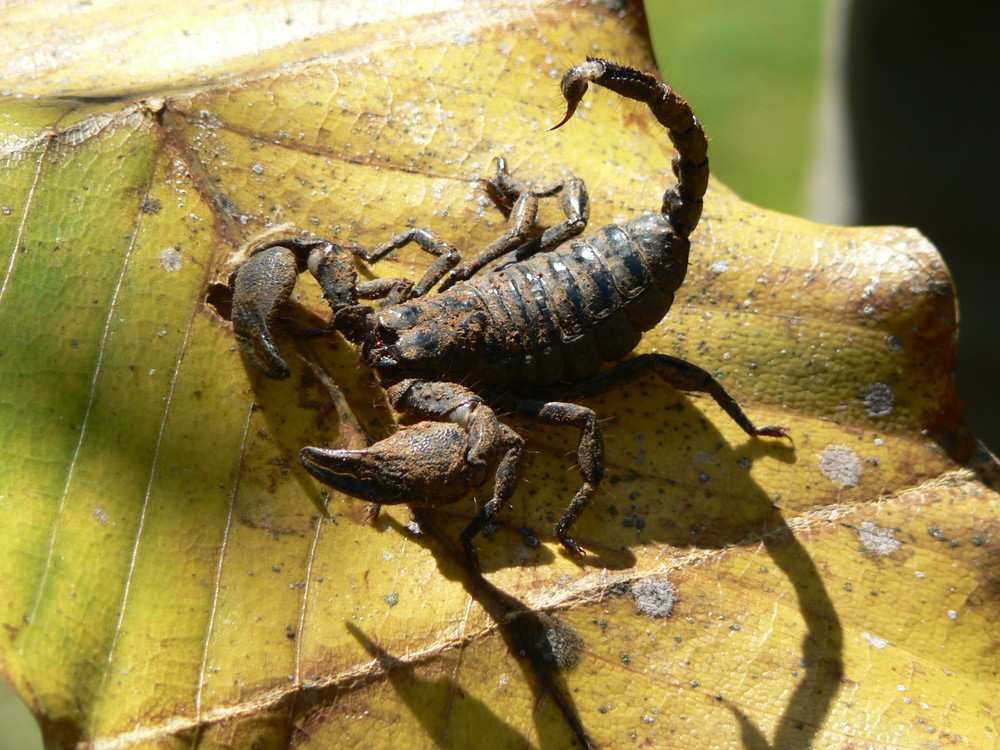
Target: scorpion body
(554,317)
(522,338)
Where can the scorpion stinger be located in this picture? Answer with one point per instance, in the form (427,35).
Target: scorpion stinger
(683,202)
(527,337)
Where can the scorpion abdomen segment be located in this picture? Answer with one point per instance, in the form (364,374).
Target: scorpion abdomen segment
(664,252)
(556,316)
(609,287)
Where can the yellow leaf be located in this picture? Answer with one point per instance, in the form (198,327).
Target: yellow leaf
(167,578)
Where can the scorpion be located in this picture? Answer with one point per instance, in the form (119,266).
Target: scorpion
(527,337)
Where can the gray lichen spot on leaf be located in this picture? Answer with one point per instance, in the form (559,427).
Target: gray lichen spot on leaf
(840,464)
(557,642)
(879,399)
(876,540)
(874,640)
(171,259)
(655,596)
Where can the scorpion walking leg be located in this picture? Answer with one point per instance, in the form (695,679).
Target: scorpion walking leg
(521,206)
(447,258)
(679,374)
(589,454)
(504,482)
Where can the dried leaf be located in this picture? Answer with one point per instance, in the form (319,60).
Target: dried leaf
(167,578)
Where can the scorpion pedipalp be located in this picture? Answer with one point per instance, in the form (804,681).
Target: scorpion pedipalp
(422,464)
(261,286)
(265,281)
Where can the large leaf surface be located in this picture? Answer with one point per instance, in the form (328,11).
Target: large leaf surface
(167,578)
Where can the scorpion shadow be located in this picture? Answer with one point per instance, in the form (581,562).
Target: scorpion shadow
(633,509)
(425,698)
(692,515)
(541,644)
(695,515)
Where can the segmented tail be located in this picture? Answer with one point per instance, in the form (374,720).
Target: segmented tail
(681,203)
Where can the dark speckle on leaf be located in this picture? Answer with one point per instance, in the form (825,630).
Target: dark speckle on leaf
(879,399)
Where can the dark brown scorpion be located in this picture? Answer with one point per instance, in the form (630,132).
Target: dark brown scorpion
(524,338)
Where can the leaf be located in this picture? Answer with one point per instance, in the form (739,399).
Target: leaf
(168,580)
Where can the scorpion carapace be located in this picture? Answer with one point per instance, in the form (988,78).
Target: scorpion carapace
(526,337)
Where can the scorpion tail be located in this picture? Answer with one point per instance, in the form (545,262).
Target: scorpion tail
(681,203)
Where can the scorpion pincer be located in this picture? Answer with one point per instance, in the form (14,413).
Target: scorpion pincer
(527,337)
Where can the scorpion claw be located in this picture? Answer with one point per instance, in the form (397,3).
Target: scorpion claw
(262,352)
(422,464)
(261,286)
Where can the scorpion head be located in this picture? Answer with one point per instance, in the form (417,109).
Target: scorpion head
(399,338)
(381,349)
(421,464)
(435,335)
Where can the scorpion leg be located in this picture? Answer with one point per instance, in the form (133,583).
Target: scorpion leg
(507,472)
(679,374)
(589,453)
(431,242)
(521,206)
(334,270)
(575,204)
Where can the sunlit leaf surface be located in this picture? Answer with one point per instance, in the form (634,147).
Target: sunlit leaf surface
(167,578)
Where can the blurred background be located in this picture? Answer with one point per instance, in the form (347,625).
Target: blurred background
(850,112)
(847,112)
